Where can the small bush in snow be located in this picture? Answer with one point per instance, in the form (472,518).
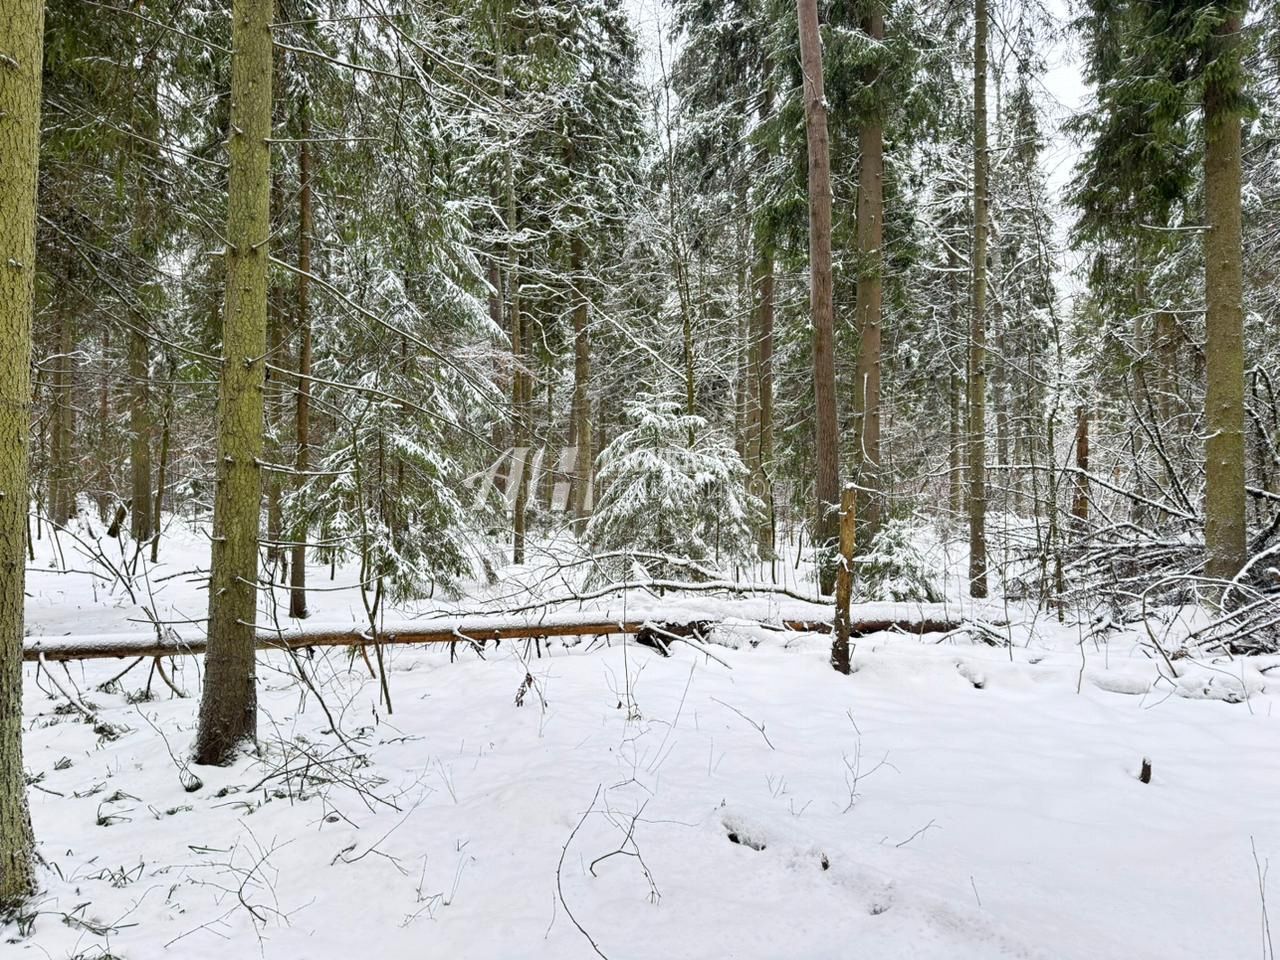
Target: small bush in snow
(895,568)
(671,487)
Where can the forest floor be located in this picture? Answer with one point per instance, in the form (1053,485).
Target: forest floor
(950,799)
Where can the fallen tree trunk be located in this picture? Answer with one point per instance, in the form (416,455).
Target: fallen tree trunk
(861,628)
(471,629)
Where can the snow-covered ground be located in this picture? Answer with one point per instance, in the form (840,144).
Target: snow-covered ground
(950,799)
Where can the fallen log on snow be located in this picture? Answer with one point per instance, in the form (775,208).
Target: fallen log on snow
(466,629)
(861,628)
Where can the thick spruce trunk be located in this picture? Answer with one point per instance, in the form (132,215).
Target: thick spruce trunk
(826,441)
(1224,499)
(21,37)
(228,710)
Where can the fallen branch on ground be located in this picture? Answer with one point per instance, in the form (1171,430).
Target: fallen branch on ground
(475,629)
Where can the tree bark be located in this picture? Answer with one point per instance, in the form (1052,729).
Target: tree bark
(1224,501)
(978,330)
(520,388)
(1080,496)
(302,418)
(844,580)
(139,433)
(273,417)
(870,233)
(764,392)
(142,241)
(103,473)
(162,467)
(62,477)
(955,389)
(764,321)
(228,710)
(21,38)
(582,481)
(826,441)
(1167,364)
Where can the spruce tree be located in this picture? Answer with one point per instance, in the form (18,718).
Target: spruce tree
(1151,62)
(21,48)
(228,709)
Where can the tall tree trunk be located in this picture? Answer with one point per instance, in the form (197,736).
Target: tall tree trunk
(1000,390)
(870,280)
(844,580)
(826,441)
(955,390)
(1224,500)
(520,388)
(498,428)
(273,414)
(1167,365)
(62,428)
(744,414)
(764,392)
(139,433)
(1080,495)
(978,328)
(103,473)
(302,420)
(582,480)
(228,710)
(21,38)
(764,344)
(686,330)
(142,243)
(162,467)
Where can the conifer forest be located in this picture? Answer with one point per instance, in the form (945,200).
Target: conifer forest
(637,479)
